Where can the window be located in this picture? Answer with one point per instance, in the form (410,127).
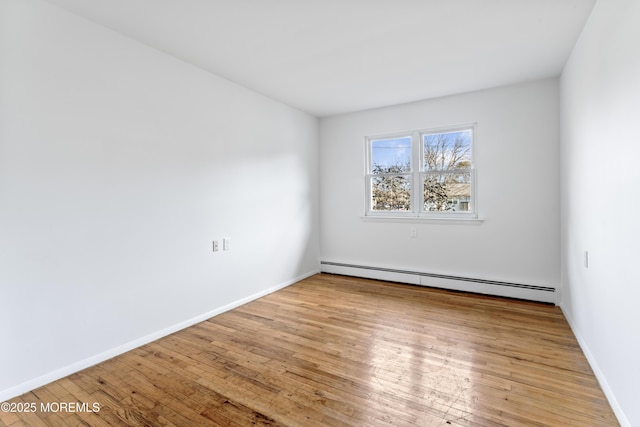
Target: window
(423,173)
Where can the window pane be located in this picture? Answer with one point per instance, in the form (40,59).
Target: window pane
(447,192)
(391,155)
(447,151)
(391,193)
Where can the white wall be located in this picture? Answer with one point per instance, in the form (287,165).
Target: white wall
(118,166)
(517,163)
(600,93)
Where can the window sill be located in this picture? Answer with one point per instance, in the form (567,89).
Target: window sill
(422,219)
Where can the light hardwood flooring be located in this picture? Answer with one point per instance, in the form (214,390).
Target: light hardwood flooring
(339,351)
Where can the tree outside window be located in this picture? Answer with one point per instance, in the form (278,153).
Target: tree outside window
(441,164)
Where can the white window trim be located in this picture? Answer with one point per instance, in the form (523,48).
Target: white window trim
(416,173)
(421,219)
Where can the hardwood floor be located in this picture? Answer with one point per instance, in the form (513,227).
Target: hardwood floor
(340,351)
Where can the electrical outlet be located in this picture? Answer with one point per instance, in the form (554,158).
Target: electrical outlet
(215,246)
(414,232)
(226,244)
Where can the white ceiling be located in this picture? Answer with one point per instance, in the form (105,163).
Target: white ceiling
(333,56)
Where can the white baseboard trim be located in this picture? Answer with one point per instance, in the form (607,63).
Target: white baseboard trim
(109,354)
(457,283)
(608,392)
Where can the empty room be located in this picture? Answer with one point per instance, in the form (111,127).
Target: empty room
(319,213)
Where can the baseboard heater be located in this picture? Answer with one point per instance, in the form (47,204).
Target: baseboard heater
(468,284)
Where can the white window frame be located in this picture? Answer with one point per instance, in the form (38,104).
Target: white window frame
(417,175)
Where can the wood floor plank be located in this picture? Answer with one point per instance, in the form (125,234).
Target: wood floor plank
(340,351)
